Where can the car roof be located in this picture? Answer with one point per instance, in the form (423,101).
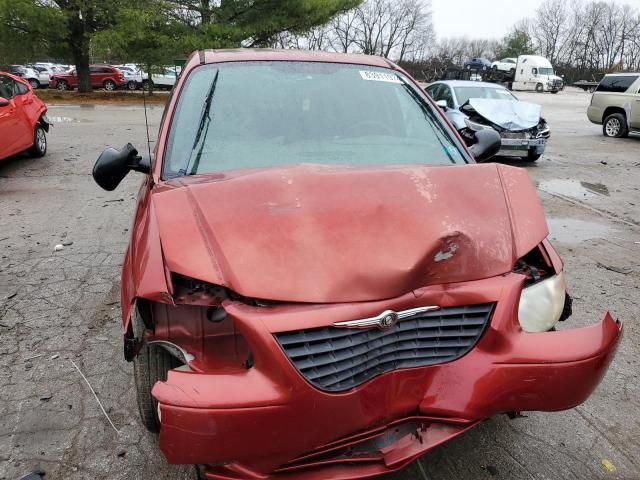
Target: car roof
(468,83)
(267,54)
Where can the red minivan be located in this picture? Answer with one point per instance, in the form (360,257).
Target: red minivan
(315,287)
(102,76)
(23,123)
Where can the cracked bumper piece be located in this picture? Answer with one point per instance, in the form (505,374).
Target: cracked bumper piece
(268,422)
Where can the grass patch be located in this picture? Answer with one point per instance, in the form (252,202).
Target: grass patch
(100,97)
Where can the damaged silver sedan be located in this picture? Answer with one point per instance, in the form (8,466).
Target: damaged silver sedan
(474,106)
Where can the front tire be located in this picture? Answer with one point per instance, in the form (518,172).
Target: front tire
(615,126)
(35,84)
(39,148)
(109,85)
(131,85)
(150,366)
(62,85)
(539,88)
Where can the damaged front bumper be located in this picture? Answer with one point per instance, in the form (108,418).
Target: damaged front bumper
(523,143)
(269,422)
(519,147)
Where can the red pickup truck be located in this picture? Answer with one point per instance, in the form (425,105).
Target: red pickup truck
(102,76)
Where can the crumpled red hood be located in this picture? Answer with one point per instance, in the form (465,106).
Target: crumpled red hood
(337,234)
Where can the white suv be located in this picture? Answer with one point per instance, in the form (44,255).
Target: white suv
(616,104)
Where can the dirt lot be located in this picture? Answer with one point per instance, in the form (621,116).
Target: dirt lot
(62,307)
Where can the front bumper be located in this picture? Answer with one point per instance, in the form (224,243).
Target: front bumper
(521,147)
(595,114)
(268,422)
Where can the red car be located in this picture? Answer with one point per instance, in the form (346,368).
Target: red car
(102,76)
(23,121)
(316,287)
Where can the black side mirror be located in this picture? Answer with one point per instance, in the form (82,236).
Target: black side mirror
(486,145)
(113,165)
(3,102)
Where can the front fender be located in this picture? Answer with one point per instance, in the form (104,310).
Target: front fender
(456,117)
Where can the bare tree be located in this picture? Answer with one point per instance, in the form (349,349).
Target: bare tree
(343,31)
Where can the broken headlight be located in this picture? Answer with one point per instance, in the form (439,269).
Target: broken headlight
(542,304)
(476,127)
(542,129)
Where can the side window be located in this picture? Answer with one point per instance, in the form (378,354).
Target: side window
(7,87)
(616,83)
(432,91)
(445,94)
(20,88)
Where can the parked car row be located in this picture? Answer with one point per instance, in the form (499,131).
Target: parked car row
(38,74)
(109,77)
(112,78)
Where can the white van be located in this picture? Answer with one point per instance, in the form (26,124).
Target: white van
(535,73)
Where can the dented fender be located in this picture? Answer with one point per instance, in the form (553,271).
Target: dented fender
(143,271)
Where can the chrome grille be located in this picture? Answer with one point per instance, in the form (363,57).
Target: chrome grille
(337,359)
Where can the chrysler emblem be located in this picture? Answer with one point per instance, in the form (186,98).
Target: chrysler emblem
(389,320)
(386,320)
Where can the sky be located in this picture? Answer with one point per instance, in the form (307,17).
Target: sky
(484,18)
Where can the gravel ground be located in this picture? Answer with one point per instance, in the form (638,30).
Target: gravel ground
(59,310)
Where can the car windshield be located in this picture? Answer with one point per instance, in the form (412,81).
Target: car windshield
(546,71)
(262,114)
(463,94)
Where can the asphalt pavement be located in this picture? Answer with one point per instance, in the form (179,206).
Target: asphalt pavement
(59,311)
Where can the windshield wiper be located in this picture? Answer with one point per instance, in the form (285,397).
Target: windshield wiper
(203,127)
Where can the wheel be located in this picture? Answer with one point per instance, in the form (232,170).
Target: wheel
(512,71)
(109,85)
(62,85)
(615,125)
(539,88)
(554,91)
(39,148)
(151,365)
(494,68)
(131,85)
(147,85)
(35,84)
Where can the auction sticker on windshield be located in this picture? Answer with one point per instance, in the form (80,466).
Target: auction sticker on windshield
(379,76)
